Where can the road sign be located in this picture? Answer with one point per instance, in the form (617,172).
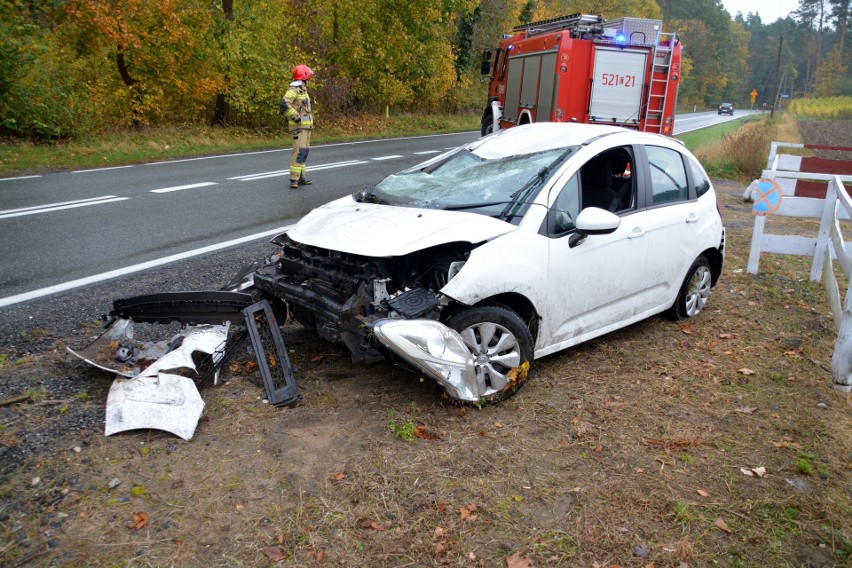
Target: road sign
(767,197)
(753,95)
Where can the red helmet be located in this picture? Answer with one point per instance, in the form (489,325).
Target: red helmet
(302,73)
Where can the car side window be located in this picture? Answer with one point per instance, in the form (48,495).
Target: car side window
(668,176)
(702,184)
(567,205)
(606,181)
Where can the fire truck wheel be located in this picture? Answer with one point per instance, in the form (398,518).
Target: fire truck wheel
(487,125)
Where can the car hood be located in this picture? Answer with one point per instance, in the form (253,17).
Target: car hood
(370,229)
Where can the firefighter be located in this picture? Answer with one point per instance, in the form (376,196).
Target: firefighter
(296,105)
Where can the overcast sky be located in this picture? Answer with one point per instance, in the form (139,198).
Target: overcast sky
(769,10)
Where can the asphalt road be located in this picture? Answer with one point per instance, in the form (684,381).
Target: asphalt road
(68,230)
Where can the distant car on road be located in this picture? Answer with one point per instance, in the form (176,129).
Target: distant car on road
(726,108)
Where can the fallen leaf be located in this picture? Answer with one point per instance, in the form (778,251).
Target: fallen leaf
(274,553)
(139,521)
(519,373)
(517,561)
(424,434)
(702,493)
(747,409)
(180,543)
(320,556)
(440,548)
(441,506)
(745,371)
(727,335)
(466,513)
(786,444)
(687,331)
(317,358)
(754,471)
(337,476)
(471,556)
(368,524)
(722,525)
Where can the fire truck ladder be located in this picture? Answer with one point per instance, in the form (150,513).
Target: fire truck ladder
(577,23)
(658,87)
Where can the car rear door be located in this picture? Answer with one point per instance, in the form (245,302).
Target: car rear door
(675,223)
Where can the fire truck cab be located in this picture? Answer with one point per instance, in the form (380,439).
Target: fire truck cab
(583,68)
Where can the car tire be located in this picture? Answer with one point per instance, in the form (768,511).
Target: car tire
(694,292)
(499,341)
(487,126)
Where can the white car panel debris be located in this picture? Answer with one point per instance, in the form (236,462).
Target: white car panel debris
(161,402)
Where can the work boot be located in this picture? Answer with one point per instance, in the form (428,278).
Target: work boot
(294,184)
(305,181)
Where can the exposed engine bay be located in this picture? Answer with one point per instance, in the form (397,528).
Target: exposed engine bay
(341,295)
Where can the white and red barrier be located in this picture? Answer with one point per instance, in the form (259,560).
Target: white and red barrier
(793,186)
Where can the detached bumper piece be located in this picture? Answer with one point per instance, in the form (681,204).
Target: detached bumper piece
(272,359)
(158,381)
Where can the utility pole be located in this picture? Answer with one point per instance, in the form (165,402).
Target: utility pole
(777,65)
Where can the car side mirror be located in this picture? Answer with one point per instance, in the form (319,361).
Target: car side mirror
(593,221)
(485,68)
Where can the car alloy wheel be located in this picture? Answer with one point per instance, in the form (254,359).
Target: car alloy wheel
(499,341)
(695,290)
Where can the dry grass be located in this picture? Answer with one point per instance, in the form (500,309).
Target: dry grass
(743,152)
(629,450)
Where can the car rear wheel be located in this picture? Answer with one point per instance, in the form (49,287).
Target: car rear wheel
(694,292)
(499,341)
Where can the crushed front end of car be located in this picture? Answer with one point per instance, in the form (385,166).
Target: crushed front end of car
(342,295)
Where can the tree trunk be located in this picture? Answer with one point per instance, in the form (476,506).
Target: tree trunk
(223,109)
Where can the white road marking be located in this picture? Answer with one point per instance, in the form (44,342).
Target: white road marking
(101,169)
(381,158)
(65,286)
(9,213)
(277,173)
(182,187)
(19,177)
(427,152)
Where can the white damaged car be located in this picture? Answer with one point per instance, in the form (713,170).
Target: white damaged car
(505,250)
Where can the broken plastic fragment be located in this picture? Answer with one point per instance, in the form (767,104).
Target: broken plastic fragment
(162,402)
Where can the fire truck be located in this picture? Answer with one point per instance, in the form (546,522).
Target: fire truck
(583,68)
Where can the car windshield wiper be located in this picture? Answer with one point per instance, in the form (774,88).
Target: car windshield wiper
(463,206)
(520,197)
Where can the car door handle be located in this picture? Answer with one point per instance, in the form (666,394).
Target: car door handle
(692,218)
(636,233)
